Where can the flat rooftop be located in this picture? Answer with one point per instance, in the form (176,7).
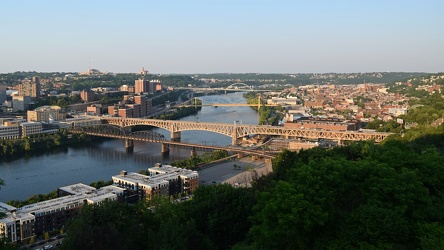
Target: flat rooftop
(78,188)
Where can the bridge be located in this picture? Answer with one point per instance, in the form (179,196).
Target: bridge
(113,131)
(189,103)
(236,131)
(239,86)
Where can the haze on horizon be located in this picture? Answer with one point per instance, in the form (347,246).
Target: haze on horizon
(217,36)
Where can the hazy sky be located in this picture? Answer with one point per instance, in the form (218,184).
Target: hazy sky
(212,36)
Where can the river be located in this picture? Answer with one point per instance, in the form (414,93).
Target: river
(43,172)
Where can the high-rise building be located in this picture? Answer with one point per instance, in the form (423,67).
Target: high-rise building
(141,86)
(87,96)
(36,79)
(2,94)
(154,86)
(29,88)
(20,103)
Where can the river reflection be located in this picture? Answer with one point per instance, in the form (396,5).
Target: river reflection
(45,171)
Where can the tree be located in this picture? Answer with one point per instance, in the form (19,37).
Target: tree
(221,212)
(32,240)
(1,213)
(355,197)
(46,235)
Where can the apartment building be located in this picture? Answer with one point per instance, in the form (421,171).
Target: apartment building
(94,109)
(145,86)
(45,114)
(29,88)
(132,106)
(20,224)
(87,95)
(140,86)
(163,180)
(187,180)
(324,124)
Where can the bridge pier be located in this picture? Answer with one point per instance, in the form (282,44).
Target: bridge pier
(239,155)
(175,136)
(254,157)
(234,136)
(193,152)
(129,145)
(165,148)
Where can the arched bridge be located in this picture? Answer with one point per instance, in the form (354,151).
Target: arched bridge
(239,84)
(236,131)
(113,131)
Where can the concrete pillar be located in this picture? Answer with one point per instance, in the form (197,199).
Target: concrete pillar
(268,160)
(165,148)
(175,136)
(255,157)
(129,145)
(234,136)
(193,152)
(239,155)
(339,142)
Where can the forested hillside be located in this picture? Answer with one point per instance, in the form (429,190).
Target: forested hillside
(361,196)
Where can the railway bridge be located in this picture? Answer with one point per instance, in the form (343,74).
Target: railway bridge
(113,131)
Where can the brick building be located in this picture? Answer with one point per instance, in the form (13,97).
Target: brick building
(324,124)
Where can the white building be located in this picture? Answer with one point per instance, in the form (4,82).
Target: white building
(9,130)
(142,185)
(82,122)
(20,224)
(30,128)
(189,179)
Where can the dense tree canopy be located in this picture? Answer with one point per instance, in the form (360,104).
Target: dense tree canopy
(360,196)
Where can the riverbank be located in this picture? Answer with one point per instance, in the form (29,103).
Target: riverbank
(40,172)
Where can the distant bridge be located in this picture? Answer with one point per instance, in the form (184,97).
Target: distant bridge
(229,88)
(258,104)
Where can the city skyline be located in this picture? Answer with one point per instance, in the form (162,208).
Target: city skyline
(222,36)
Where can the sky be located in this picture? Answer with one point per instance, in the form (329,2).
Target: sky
(215,36)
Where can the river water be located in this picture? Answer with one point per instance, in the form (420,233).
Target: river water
(43,172)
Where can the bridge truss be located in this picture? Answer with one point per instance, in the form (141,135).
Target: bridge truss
(236,131)
(113,131)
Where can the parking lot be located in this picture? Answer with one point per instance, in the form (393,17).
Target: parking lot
(237,171)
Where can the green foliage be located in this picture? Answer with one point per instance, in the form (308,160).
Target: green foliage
(205,222)
(267,115)
(359,196)
(38,142)
(194,161)
(101,183)
(304,79)
(179,113)
(221,212)
(169,96)
(33,199)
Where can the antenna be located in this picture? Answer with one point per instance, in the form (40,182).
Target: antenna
(89,63)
